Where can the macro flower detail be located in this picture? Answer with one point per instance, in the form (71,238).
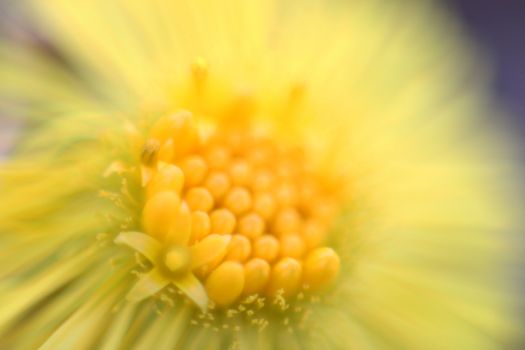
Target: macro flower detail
(204,188)
(252,175)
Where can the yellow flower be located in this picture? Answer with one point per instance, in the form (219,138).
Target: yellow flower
(254,175)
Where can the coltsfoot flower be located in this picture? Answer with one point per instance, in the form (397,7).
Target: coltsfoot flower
(251,175)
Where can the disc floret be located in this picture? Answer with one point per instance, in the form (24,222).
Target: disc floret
(229,215)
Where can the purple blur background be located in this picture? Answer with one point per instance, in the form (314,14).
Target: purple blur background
(498,26)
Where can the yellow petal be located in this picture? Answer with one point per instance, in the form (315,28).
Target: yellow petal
(193,288)
(141,242)
(208,249)
(148,285)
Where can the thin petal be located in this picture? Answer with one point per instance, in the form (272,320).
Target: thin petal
(208,249)
(141,242)
(180,234)
(147,285)
(193,288)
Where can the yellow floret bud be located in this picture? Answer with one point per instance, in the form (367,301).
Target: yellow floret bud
(225,284)
(222,221)
(287,220)
(177,259)
(266,247)
(199,198)
(218,157)
(313,233)
(321,267)
(238,200)
(241,173)
(239,248)
(251,225)
(200,225)
(159,213)
(285,276)
(218,183)
(179,127)
(168,177)
(256,276)
(292,245)
(195,169)
(265,205)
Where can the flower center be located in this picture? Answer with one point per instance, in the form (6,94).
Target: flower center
(242,183)
(177,259)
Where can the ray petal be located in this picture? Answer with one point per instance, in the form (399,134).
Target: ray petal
(141,242)
(147,285)
(193,288)
(208,249)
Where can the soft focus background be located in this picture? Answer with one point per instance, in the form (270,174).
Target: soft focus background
(497,28)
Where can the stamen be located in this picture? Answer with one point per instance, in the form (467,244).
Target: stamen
(256,276)
(194,169)
(239,249)
(266,247)
(218,183)
(238,200)
(168,177)
(321,266)
(200,225)
(292,245)
(157,216)
(199,198)
(241,173)
(222,221)
(285,277)
(225,284)
(254,218)
(251,225)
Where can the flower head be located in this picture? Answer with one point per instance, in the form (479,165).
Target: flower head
(250,175)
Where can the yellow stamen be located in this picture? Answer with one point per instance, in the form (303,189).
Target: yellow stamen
(285,276)
(313,233)
(251,225)
(292,245)
(225,284)
(169,177)
(241,173)
(256,276)
(194,168)
(238,200)
(218,183)
(222,221)
(266,247)
(199,198)
(239,249)
(265,205)
(157,216)
(263,180)
(179,127)
(287,220)
(217,157)
(246,200)
(321,267)
(177,259)
(200,225)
